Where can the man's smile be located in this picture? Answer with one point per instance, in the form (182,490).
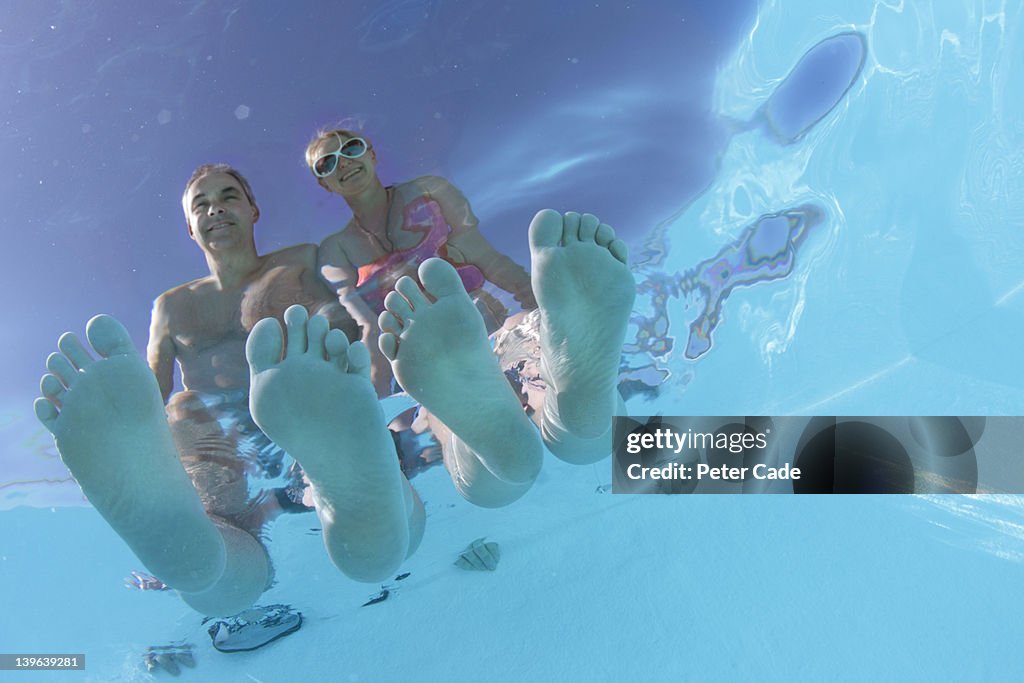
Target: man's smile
(220,225)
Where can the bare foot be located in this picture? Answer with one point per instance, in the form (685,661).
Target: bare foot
(108,422)
(438,348)
(318,404)
(585,292)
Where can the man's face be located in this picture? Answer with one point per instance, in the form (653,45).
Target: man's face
(220,215)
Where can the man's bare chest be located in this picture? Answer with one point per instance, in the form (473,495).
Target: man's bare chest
(212,317)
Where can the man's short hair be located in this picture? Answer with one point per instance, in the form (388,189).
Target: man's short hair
(210,169)
(327,134)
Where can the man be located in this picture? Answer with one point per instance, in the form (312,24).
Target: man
(313,397)
(213,315)
(177,488)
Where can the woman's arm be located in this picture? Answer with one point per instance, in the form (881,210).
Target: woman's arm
(496,267)
(474,247)
(341,276)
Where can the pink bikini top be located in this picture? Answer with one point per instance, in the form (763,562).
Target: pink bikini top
(421,215)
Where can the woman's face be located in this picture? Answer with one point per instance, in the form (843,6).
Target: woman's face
(350,176)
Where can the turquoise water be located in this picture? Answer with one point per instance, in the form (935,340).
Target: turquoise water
(903,295)
(907,299)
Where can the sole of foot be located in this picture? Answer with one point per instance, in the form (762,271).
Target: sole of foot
(313,397)
(585,292)
(438,347)
(108,421)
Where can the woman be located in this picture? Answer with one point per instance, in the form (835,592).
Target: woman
(393,230)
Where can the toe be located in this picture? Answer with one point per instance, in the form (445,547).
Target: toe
(264,345)
(46,412)
(571,228)
(398,307)
(605,235)
(109,337)
(546,229)
(52,389)
(389,323)
(619,250)
(588,227)
(316,331)
(440,279)
(71,346)
(388,344)
(61,367)
(410,289)
(336,346)
(359,360)
(295,319)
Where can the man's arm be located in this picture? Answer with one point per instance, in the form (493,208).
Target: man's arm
(313,282)
(474,247)
(160,351)
(341,277)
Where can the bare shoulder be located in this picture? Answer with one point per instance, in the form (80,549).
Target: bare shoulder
(427,184)
(335,247)
(178,296)
(452,201)
(176,305)
(298,255)
(333,240)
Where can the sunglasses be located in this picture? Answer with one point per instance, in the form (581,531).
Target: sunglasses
(353,148)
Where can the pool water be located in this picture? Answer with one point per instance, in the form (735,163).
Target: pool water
(823,204)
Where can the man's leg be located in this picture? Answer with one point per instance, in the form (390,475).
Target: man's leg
(315,401)
(111,431)
(209,449)
(585,293)
(437,344)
